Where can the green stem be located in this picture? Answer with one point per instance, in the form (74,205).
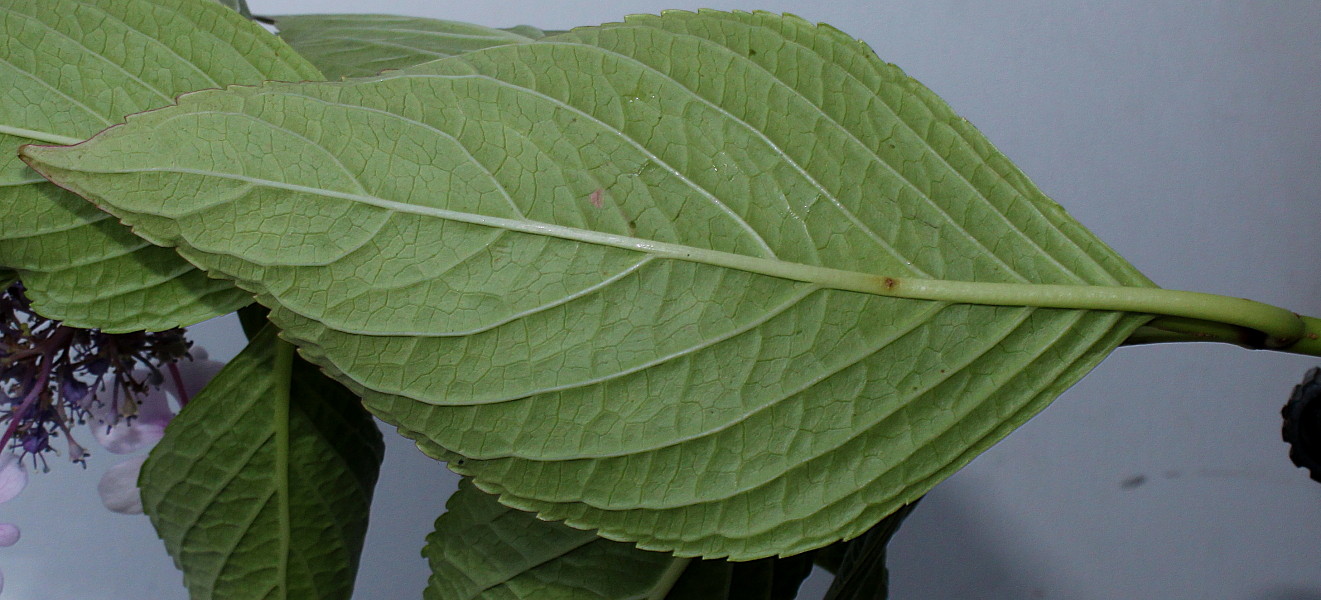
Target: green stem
(284,360)
(1177,329)
(668,579)
(1182,316)
(40,136)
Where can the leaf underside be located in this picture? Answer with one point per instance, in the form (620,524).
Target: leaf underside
(226,505)
(530,272)
(72,68)
(361,45)
(484,550)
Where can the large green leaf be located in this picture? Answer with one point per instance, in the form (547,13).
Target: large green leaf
(360,45)
(641,277)
(262,484)
(484,550)
(72,68)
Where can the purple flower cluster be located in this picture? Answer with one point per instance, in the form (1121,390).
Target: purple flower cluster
(54,377)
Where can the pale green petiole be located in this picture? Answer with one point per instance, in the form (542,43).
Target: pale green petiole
(1182,316)
(41,136)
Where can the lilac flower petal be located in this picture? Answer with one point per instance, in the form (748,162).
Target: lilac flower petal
(125,436)
(13,476)
(119,487)
(8,534)
(154,409)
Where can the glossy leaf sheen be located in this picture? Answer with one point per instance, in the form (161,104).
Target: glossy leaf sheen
(361,45)
(484,550)
(228,505)
(536,271)
(72,68)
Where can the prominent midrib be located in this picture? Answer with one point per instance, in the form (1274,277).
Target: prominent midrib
(40,136)
(1282,325)
(280,423)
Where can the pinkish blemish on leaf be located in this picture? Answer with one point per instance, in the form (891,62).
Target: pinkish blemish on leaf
(597,198)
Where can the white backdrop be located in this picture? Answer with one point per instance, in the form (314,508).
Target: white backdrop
(1185,134)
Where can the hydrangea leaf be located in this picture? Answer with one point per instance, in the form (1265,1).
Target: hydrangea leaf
(484,550)
(262,484)
(72,68)
(361,45)
(774,578)
(649,277)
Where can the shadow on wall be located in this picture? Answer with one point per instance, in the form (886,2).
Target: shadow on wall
(945,550)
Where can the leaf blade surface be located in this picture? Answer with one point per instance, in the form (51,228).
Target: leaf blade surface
(247,512)
(623,255)
(363,45)
(483,549)
(75,67)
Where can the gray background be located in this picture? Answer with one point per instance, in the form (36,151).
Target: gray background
(1185,134)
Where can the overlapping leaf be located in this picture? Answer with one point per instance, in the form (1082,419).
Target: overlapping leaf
(262,495)
(72,68)
(772,578)
(361,45)
(601,272)
(484,550)
(859,564)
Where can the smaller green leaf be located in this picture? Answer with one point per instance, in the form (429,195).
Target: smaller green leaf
(262,484)
(71,68)
(253,318)
(775,578)
(860,573)
(482,549)
(7,278)
(362,45)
